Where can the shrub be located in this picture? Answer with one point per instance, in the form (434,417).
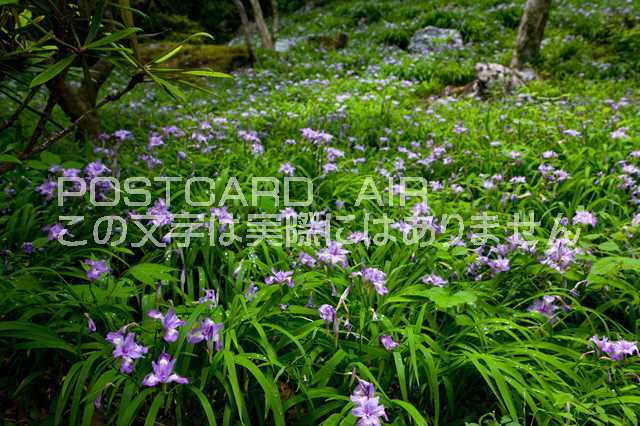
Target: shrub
(395,36)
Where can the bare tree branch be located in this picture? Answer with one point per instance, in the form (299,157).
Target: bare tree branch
(263,30)
(37,131)
(19,110)
(28,107)
(52,139)
(245,30)
(276,21)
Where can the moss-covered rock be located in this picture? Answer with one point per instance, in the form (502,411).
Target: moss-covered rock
(338,41)
(217,57)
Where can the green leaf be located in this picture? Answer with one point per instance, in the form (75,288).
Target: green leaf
(207,73)
(150,273)
(444,299)
(198,34)
(50,158)
(113,37)
(459,251)
(96,20)
(411,411)
(272,396)
(170,88)
(131,407)
(609,246)
(326,372)
(37,165)
(170,54)
(6,158)
(52,71)
(72,165)
(150,420)
(611,265)
(402,377)
(40,242)
(206,405)
(235,386)
(39,337)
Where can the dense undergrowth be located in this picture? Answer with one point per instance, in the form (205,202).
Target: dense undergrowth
(486,324)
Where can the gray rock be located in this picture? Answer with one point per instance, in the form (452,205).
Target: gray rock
(493,77)
(496,76)
(433,39)
(284,44)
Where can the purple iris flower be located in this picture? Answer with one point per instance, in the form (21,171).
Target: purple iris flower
(546,307)
(161,215)
(616,350)
(316,137)
(249,136)
(91,325)
(501,264)
(333,255)
(287,214)
(154,141)
(150,161)
(620,348)
(224,217)
(306,260)
(287,169)
(125,348)
(363,391)
(369,412)
(619,133)
(329,167)
(121,135)
(209,331)
(96,269)
(210,297)
(333,154)
(56,231)
(163,372)
(27,247)
(375,277)
(327,313)
(95,169)
(584,217)
(48,189)
(434,279)
(170,322)
(368,409)
(280,277)
(174,131)
(257,148)
(560,255)
(309,301)
(388,342)
(250,294)
(357,237)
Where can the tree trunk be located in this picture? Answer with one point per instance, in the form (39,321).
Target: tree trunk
(262,25)
(276,22)
(531,32)
(76,102)
(245,30)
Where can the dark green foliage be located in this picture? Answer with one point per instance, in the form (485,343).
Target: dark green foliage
(171,27)
(395,36)
(368,12)
(469,352)
(508,17)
